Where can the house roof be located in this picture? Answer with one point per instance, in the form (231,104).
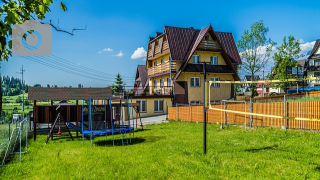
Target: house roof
(142,76)
(43,93)
(302,62)
(184,41)
(229,45)
(315,47)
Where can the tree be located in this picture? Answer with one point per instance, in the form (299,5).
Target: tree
(118,86)
(255,49)
(16,13)
(18,100)
(285,55)
(79,85)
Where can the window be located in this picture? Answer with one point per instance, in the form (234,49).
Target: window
(214,60)
(169,82)
(162,61)
(142,105)
(195,82)
(215,84)
(158,105)
(206,37)
(155,83)
(161,82)
(316,74)
(195,59)
(317,62)
(155,63)
(194,102)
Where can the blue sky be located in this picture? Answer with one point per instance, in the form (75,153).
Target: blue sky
(124,26)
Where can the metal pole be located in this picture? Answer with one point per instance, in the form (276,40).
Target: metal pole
(105,114)
(250,112)
(245,115)
(111,121)
(263,83)
(82,123)
(284,111)
(204,110)
(90,122)
(297,87)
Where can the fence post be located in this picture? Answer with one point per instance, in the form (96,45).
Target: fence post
(189,113)
(176,112)
(285,111)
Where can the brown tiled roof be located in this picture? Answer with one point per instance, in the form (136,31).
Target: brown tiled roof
(158,34)
(302,62)
(179,40)
(229,45)
(184,41)
(142,73)
(315,47)
(43,93)
(142,76)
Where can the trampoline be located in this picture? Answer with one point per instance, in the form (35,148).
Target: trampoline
(305,89)
(100,120)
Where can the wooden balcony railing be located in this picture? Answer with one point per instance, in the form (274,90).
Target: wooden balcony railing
(157,49)
(165,67)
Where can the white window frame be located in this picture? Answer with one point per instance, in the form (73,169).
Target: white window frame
(158,110)
(140,105)
(155,83)
(215,84)
(194,85)
(169,82)
(194,60)
(161,83)
(212,59)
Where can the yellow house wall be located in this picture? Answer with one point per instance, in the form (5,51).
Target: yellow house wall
(205,57)
(217,93)
(166,57)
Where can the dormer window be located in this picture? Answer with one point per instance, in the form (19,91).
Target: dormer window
(206,37)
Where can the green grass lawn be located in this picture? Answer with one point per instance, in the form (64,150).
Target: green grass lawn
(174,151)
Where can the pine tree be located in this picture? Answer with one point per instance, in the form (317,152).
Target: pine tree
(117,87)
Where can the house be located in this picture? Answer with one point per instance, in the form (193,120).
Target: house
(246,86)
(175,59)
(313,65)
(266,88)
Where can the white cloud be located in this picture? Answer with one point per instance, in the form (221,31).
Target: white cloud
(107,49)
(139,53)
(306,47)
(120,54)
(100,52)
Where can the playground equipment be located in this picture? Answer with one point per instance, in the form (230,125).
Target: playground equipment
(94,124)
(60,123)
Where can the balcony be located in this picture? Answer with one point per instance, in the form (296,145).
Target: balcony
(157,51)
(161,69)
(148,91)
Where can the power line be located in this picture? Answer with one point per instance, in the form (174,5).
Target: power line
(79,66)
(58,66)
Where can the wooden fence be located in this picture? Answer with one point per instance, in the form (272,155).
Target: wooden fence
(302,109)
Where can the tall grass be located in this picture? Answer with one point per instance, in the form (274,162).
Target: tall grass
(175,151)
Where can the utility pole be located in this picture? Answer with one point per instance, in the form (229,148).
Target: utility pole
(22,82)
(204,110)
